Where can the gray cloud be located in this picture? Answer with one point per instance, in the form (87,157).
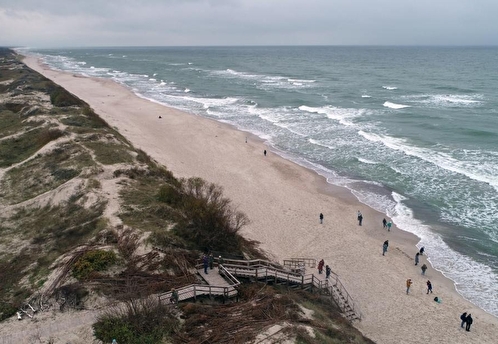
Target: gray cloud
(51,23)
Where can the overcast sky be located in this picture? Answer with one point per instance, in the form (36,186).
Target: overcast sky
(68,23)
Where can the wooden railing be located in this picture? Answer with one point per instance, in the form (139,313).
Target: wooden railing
(298,262)
(262,269)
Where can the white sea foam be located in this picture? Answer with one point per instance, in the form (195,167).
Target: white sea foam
(265,81)
(187,90)
(390,88)
(303,81)
(343,115)
(395,106)
(366,161)
(318,143)
(366,96)
(152,79)
(473,280)
(470,169)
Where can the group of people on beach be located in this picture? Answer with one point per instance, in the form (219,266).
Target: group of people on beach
(386,224)
(466,321)
(328,270)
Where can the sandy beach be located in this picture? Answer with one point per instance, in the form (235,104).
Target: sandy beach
(283,201)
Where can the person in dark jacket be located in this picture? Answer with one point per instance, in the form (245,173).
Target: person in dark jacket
(321,218)
(463,317)
(327,271)
(469,322)
(384,223)
(384,247)
(205,263)
(360,218)
(320,266)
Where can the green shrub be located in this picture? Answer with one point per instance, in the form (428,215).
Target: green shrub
(169,195)
(143,321)
(7,310)
(60,97)
(93,261)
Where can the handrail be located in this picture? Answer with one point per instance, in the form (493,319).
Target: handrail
(265,271)
(260,268)
(296,262)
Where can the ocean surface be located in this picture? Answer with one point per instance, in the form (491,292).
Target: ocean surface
(411,131)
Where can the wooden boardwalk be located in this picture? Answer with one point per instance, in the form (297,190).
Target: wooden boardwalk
(222,281)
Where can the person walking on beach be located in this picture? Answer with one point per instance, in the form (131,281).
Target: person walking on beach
(469,322)
(463,317)
(423,268)
(384,247)
(429,287)
(416,258)
(389,224)
(408,285)
(264,152)
(384,223)
(360,218)
(422,249)
(327,271)
(321,218)
(205,263)
(320,266)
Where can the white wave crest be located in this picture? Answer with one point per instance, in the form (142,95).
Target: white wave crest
(470,169)
(343,115)
(395,106)
(366,161)
(390,88)
(475,281)
(318,143)
(366,96)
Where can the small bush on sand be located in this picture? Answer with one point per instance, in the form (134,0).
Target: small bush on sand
(141,321)
(93,261)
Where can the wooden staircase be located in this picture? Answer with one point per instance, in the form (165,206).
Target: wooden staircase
(293,276)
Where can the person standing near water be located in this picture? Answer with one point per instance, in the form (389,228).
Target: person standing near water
(408,285)
(384,247)
(389,224)
(423,268)
(469,322)
(416,258)
(264,152)
(321,218)
(384,223)
(429,287)
(463,317)
(360,218)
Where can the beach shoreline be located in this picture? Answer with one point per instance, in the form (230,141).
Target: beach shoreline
(283,200)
